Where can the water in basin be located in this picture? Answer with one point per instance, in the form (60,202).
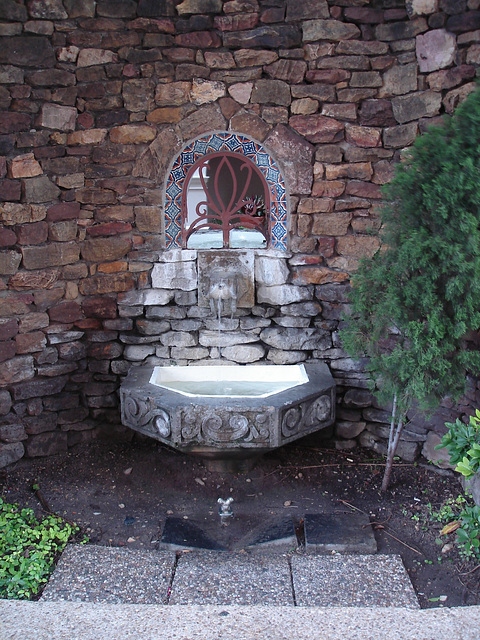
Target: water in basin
(229,381)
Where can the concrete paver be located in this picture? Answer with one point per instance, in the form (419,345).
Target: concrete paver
(112,575)
(352,580)
(232,578)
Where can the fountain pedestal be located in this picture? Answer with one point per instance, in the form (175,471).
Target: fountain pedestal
(229,432)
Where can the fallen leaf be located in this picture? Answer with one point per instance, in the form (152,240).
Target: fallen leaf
(450,528)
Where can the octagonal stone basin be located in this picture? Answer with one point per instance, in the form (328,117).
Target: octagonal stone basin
(228,415)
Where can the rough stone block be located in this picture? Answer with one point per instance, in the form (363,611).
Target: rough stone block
(317,128)
(271,271)
(104,249)
(271,37)
(331,224)
(11,75)
(54,254)
(27,51)
(33,233)
(63,231)
(296,154)
(393,31)
(37,388)
(271,91)
(28,280)
(105,351)
(14,122)
(423,104)
(358,246)
(400,136)
(152,327)
(329,30)
(10,190)
(91,57)
(175,275)
(348,430)
(138,353)
(100,284)
(30,342)
(101,307)
(288,338)
(8,349)
(291,71)
(63,211)
(40,189)
(436,49)
(67,312)
(46,444)
(244,354)
(12,433)
(24,166)
(5,402)
(10,453)
(55,116)
(362,136)
(90,136)
(282,294)
(17,369)
(33,321)
(9,262)
(45,421)
(239,22)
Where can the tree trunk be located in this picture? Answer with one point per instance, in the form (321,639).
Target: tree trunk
(396,428)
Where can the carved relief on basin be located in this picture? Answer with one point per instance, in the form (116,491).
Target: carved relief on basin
(230,432)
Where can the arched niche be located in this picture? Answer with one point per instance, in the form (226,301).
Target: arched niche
(227,144)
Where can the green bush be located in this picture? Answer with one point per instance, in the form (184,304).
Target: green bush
(28,549)
(463,444)
(468,536)
(413,303)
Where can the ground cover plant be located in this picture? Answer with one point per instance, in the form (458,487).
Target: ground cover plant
(29,548)
(416,300)
(462,442)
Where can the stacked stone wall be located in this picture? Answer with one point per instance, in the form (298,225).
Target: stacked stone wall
(97,98)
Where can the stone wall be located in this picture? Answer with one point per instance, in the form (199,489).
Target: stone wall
(96,98)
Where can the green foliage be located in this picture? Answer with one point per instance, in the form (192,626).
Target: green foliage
(468,536)
(449,510)
(463,444)
(464,516)
(28,549)
(413,303)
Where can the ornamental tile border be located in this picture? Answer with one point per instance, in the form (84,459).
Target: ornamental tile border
(236,143)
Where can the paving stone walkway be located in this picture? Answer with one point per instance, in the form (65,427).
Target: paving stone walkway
(120,576)
(123,594)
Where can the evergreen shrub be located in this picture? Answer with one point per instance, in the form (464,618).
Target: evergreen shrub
(414,303)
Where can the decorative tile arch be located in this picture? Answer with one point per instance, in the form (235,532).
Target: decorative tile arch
(215,143)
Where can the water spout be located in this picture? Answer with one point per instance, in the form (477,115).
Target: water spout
(222,294)
(225,510)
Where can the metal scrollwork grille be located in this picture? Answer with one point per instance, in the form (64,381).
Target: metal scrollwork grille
(228,181)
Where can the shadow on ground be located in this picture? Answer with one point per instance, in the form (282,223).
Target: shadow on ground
(121,494)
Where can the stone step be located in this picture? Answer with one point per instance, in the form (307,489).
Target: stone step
(108,575)
(87,621)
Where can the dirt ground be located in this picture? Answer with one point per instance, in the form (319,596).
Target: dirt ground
(120,494)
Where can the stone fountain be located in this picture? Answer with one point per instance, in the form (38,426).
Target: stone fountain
(228,415)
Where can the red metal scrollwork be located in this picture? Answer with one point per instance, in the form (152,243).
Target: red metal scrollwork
(229,202)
